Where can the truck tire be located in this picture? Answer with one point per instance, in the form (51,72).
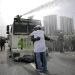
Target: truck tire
(10,49)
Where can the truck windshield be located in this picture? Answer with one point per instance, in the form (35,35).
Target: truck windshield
(24,26)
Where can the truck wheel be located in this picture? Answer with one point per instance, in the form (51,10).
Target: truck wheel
(10,49)
(21,48)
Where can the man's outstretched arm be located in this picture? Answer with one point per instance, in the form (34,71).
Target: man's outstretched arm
(48,39)
(35,39)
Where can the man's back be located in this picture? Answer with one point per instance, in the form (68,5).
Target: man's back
(39,46)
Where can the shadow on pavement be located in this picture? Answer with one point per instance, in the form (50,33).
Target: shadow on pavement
(30,71)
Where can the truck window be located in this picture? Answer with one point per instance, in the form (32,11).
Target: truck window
(24,26)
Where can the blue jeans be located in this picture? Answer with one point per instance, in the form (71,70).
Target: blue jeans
(41,61)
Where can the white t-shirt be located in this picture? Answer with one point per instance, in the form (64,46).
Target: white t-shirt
(39,46)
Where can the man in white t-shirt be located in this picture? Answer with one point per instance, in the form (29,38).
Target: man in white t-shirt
(39,48)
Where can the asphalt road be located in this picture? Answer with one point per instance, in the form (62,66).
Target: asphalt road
(62,63)
(58,64)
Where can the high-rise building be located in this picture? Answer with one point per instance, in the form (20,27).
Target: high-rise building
(66,24)
(53,23)
(50,24)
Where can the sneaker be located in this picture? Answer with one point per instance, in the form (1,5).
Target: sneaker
(37,70)
(44,69)
(42,73)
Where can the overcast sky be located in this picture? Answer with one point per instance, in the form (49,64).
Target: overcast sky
(10,8)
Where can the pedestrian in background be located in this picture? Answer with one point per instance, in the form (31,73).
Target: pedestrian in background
(61,41)
(73,43)
(2,44)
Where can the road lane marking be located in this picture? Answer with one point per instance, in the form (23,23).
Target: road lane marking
(32,65)
(73,55)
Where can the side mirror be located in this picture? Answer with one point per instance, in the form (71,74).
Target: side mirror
(7,29)
(7,32)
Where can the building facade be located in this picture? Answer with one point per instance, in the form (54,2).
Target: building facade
(53,23)
(50,24)
(66,24)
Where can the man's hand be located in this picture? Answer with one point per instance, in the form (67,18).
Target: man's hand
(51,40)
(38,38)
(35,39)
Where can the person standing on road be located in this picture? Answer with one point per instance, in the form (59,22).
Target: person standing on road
(73,43)
(2,43)
(61,41)
(40,48)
